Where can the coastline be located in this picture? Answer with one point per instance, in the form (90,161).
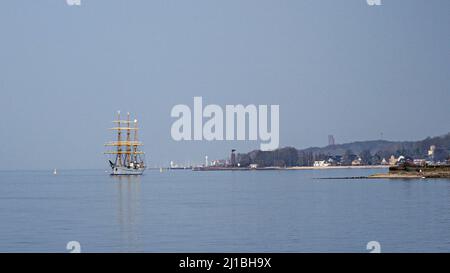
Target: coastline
(339,167)
(388,175)
(396,176)
(296,168)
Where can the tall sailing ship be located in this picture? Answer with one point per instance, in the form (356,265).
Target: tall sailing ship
(126,157)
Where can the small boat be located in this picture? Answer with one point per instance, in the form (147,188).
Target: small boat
(126,159)
(54,172)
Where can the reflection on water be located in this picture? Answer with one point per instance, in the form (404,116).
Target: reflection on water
(128,212)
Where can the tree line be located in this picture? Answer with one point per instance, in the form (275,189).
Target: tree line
(369,153)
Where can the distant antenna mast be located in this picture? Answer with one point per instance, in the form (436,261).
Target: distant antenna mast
(331,141)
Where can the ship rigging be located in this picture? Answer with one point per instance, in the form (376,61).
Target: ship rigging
(126,156)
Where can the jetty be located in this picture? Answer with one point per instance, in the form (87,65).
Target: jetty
(406,171)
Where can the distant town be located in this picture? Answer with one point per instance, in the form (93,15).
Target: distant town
(428,152)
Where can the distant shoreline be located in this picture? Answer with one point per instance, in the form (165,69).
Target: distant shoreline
(339,167)
(296,168)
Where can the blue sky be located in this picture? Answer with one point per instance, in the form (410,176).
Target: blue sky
(334,67)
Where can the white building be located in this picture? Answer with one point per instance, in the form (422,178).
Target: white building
(321,163)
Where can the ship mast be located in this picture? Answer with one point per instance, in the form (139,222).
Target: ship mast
(126,150)
(135,139)
(128,143)
(119,140)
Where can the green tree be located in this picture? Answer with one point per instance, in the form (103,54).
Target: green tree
(348,157)
(366,157)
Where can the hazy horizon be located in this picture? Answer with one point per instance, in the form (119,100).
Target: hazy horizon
(334,67)
(225,156)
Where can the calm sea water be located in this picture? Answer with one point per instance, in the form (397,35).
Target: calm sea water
(185,211)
